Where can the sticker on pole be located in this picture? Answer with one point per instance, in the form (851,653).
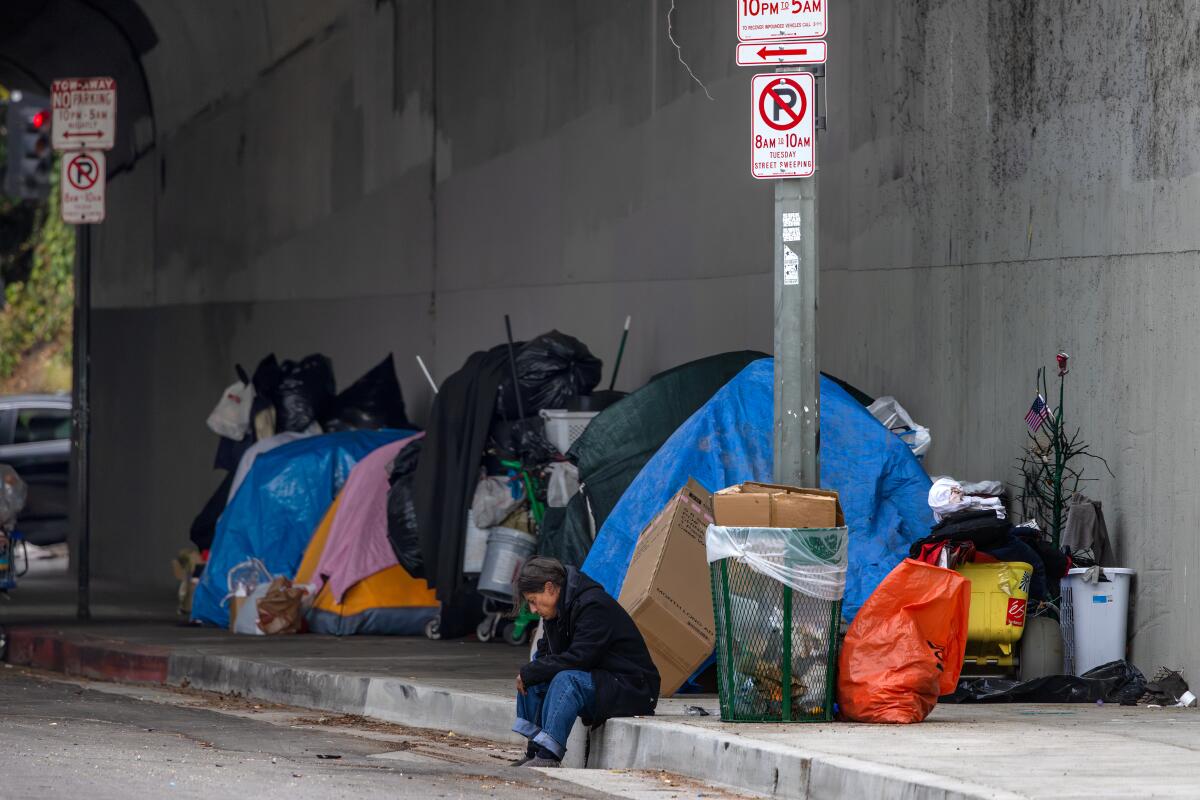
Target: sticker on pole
(767,20)
(85,114)
(82,183)
(782,133)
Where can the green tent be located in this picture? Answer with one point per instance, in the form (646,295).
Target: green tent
(622,438)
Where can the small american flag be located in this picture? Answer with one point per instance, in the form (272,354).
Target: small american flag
(1039,412)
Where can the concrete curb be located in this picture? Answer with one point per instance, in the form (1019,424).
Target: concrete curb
(634,743)
(87,656)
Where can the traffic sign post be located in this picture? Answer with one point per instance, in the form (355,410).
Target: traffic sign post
(783,148)
(84,125)
(768,20)
(84,113)
(83,187)
(778,53)
(782,135)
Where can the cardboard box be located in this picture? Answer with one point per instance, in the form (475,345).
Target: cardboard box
(765,505)
(667,589)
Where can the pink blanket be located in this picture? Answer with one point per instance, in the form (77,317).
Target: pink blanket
(358,546)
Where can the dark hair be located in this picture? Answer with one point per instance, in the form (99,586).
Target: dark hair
(533,578)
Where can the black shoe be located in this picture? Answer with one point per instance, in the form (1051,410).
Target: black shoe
(520,762)
(542,762)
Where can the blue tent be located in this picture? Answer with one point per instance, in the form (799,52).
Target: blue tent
(883,488)
(278,507)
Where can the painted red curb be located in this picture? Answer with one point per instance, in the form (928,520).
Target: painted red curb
(87,656)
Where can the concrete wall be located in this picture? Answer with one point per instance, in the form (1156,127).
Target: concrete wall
(1000,180)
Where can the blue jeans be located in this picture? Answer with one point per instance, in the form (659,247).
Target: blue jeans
(547,712)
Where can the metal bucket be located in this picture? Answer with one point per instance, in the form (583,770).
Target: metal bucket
(507,551)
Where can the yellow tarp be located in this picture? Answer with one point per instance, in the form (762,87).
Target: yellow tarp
(391,600)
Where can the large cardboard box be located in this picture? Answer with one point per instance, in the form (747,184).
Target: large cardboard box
(667,589)
(765,505)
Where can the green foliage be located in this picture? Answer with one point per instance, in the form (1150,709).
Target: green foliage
(37,309)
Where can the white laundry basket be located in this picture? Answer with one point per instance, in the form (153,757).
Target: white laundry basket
(1095,618)
(564,427)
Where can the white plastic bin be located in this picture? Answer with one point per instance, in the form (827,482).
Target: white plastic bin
(564,427)
(1095,619)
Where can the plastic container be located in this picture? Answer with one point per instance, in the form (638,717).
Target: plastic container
(475,548)
(1095,618)
(564,427)
(999,597)
(507,551)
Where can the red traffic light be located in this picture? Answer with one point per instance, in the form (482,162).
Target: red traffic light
(40,119)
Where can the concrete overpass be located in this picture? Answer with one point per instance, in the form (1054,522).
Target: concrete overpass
(998,181)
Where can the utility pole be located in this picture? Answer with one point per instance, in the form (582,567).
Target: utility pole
(81,429)
(797,383)
(797,376)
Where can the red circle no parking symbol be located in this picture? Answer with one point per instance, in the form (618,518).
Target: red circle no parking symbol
(83,172)
(789,104)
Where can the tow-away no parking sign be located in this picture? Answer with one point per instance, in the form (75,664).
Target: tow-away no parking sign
(782,133)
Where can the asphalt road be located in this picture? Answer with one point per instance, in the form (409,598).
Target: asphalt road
(61,738)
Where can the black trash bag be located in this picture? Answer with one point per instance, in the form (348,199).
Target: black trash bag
(372,402)
(551,369)
(402,514)
(204,526)
(522,440)
(1114,682)
(306,393)
(267,376)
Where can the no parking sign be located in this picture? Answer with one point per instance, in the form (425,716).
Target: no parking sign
(782,131)
(83,187)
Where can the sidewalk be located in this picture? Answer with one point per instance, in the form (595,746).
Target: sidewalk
(1035,751)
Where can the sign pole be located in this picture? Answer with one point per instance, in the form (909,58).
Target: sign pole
(83,127)
(81,414)
(797,381)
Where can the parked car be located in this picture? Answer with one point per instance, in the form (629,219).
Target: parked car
(35,438)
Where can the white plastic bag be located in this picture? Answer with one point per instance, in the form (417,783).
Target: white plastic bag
(244,577)
(231,417)
(562,485)
(246,622)
(811,561)
(494,500)
(896,419)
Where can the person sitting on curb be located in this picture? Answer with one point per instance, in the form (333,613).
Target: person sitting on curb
(591,661)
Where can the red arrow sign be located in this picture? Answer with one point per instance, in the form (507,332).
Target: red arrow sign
(807,51)
(764,53)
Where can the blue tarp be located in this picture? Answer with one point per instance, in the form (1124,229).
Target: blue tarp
(883,488)
(278,507)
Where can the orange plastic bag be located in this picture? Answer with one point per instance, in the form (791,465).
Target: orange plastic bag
(905,647)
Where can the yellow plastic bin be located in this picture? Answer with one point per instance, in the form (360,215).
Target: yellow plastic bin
(999,595)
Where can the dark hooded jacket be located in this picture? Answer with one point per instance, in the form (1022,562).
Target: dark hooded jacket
(593,633)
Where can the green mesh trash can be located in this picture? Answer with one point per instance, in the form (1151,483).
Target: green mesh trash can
(777,598)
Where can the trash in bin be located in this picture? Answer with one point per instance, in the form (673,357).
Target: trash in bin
(777,595)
